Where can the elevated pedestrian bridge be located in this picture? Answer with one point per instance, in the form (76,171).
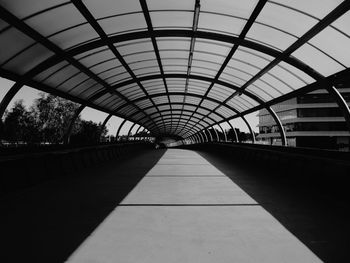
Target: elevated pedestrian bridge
(189,204)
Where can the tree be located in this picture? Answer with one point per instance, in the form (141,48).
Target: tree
(19,124)
(88,133)
(52,115)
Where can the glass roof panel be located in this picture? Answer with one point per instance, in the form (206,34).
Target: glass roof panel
(206,56)
(175,69)
(13,41)
(296,72)
(203,111)
(334,44)
(342,24)
(284,19)
(208,72)
(53,17)
(220,92)
(287,76)
(170,5)
(156,90)
(224,111)
(215,117)
(50,71)
(192,100)
(271,37)
(134,46)
(317,60)
(72,82)
(256,59)
(176,98)
(272,91)
(96,58)
(175,61)
(219,23)
(241,8)
(174,19)
(74,36)
(260,93)
(211,46)
(111,72)
(173,43)
(61,76)
(151,110)
(189,108)
(29,7)
(103,8)
(242,66)
(124,23)
(277,83)
(209,104)
(91,52)
(118,78)
(144,103)
(109,64)
(166,54)
(82,87)
(91,91)
(25,62)
(141,56)
(315,8)
(139,72)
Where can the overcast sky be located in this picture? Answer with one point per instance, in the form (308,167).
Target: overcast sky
(28,95)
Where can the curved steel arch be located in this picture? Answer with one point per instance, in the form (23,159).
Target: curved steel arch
(210,135)
(166,110)
(213,80)
(238,41)
(169,115)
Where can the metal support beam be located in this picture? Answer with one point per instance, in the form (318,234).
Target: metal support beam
(8,97)
(119,129)
(279,124)
(202,140)
(104,124)
(223,132)
(138,129)
(205,135)
(129,132)
(234,131)
(341,103)
(210,135)
(66,137)
(250,129)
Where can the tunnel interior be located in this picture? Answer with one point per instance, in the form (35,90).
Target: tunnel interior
(178,74)
(177,68)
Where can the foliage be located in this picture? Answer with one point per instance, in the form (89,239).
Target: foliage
(88,133)
(53,115)
(47,121)
(19,124)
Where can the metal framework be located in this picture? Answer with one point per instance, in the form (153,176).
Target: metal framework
(176,67)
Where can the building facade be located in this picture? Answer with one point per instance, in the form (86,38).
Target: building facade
(311,120)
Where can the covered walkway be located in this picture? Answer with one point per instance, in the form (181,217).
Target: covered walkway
(172,205)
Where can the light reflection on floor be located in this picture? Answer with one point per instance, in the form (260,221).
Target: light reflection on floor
(186,210)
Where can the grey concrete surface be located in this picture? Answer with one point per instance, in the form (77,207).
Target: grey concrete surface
(186,210)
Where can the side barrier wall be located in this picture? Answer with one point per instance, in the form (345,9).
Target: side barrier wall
(22,171)
(303,161)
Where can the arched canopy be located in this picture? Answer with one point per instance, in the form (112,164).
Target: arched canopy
(175,67)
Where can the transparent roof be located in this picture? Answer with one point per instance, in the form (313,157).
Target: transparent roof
(174,66)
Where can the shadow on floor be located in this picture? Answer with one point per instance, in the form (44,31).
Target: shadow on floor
(49,222)
(315,211)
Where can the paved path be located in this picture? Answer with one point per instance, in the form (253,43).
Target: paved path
(186,210)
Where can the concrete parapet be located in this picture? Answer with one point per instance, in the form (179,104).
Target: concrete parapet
(26,170)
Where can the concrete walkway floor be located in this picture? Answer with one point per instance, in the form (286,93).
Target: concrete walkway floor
(186,210)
